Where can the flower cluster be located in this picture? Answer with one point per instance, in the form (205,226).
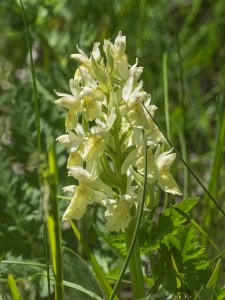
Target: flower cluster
(104,125)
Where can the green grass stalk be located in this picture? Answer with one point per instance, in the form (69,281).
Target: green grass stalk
(54,225)
(135,265)
(166,94)
(33,75)
(38,129)
(13,288)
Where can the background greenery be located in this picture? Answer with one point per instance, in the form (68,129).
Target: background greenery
(192,36)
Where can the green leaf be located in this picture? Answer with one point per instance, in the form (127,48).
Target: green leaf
(78,287)
(13,288)
(76,270)
(96,268)
(213,279)
(54,224)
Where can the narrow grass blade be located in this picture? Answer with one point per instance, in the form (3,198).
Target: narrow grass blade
(135,265)
(218,152)
(23,263)
(187,166)
(38,126)
(13,288)
(54,225)
(183,127)
(213,279)
(96,268)
(34,85)
(208,292)
(137,227)
(166,94)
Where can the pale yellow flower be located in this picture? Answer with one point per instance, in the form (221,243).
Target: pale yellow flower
(91,189)
(96,145)
(166,180)
(72,103)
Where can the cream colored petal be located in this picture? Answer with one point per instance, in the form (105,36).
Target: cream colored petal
(88,80)
(94,148)
(111,119)
(119,44)
(96,52)
(133,97)
(98,184)
(80,174)
(118,216)
(74,213)
(69,188)
(137,117)
(74,160)
(121,67)
(66,101)
(77,207)
(127,89)
(129,160)
(80,58)
(92,108)
(75,88)
(152,169)
(168,183)
(71,120)
(165,160)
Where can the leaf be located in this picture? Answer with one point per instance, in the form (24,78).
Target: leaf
(13,288)
(209,291)
(76,270)
(96,268)
(213,279)
(77,287)
(54,224)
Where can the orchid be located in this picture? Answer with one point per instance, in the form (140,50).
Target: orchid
(107,144)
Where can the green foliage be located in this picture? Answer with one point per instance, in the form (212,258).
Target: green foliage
(77,271)
(178,261)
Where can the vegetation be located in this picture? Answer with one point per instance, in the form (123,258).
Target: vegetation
(180,240)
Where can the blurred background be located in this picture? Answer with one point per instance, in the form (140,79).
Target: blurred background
(189,33)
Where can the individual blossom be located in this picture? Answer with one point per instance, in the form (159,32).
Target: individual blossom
(72,103)
(118,211)
(166,180)
(133,96)
(96,143)
(90,189)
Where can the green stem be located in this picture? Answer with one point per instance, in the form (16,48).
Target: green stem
(135,266)
(136,228)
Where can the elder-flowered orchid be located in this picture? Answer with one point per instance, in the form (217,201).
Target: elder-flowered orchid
(107,145)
